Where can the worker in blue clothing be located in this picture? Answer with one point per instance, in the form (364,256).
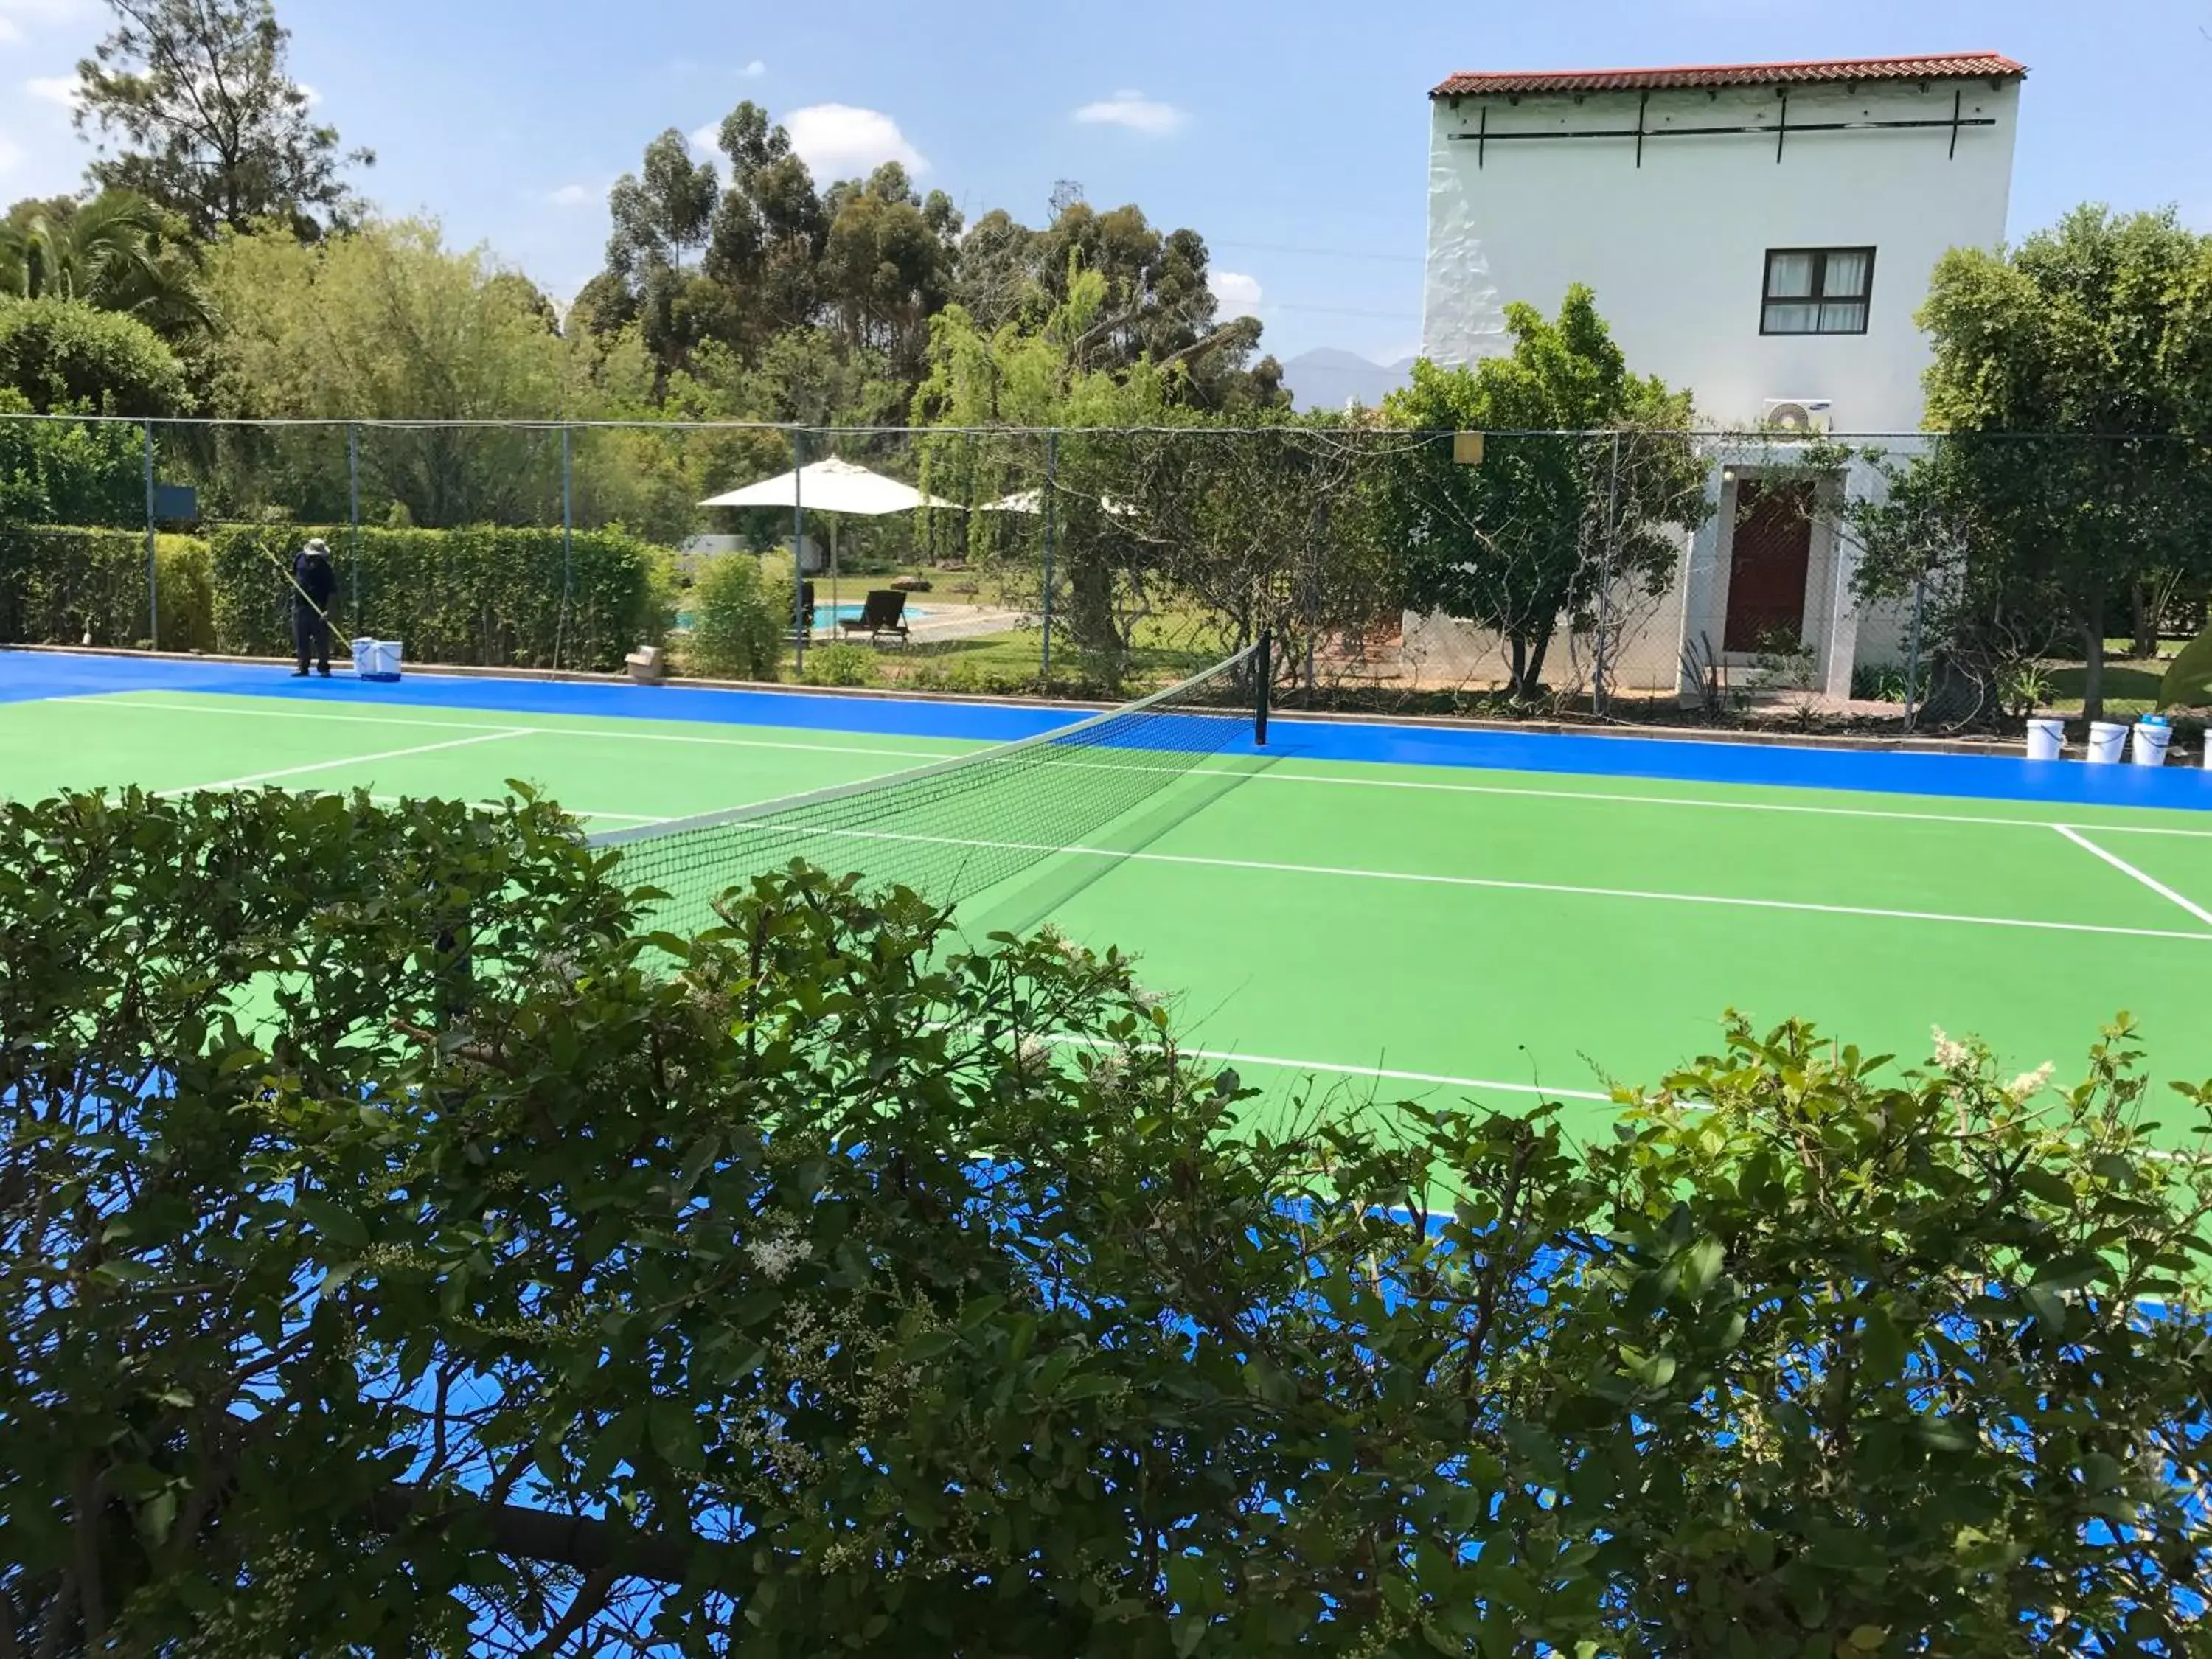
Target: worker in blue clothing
(314,582)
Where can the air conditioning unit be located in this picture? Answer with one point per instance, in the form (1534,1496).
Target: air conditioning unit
(1796,414)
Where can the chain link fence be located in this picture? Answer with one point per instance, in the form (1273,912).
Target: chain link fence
(1618,575)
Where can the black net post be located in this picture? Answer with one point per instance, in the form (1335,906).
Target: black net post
(1263,673)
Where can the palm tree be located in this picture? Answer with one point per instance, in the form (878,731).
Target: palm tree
(115,252)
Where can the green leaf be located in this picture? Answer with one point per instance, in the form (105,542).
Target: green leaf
(1702,1264)
(2073,1273)
(675,1433)
(2045,1304)
(614,1442)
(157,1515)
(332,1220)
(1882,1345)
(2188,680)
(1867,1638)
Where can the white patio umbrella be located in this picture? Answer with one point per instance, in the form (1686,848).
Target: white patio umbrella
(834,486)
(830,486)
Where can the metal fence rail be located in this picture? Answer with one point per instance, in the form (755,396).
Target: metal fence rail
(1616,574)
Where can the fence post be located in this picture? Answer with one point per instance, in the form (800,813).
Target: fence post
(1315,554)
(799,619)
(153,564)
(1912,651)
(1598,701)
(568,541)
(353,516)
(1051,520)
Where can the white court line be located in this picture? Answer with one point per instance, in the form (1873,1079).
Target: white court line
(1614,798)
(1445,1079)
(2127,869)
(531,730)
(1723,805)
(501,805)
(348,760)
(1380,1072)
(1349,872)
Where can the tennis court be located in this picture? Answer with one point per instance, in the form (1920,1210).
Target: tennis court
(1451,912)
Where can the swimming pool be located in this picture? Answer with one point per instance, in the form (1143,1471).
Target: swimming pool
(825,616)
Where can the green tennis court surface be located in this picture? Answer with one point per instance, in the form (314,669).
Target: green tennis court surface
(1451,930)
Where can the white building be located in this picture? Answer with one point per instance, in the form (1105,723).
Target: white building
(1762,234)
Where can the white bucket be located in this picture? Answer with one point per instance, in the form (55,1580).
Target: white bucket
(2106,739)
(2151,739)
(2046,734)
(376,659)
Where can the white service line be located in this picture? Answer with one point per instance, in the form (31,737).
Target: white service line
(1614,798)
(501,806)
(1330,1066)
(1800,808)
(348,760)
(1498,884)
(532,731)
(2127,869)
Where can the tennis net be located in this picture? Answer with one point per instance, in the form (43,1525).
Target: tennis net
(953,828)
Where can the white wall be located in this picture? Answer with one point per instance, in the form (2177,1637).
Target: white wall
(1675,249)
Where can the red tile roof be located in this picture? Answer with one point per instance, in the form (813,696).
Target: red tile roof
(1952,65)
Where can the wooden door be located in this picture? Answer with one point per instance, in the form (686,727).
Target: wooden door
(1768,560)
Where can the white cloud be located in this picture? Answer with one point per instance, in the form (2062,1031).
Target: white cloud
(707,140)
(837,141)
(1237,294)
(11,153)
(59,90)
(312,96)
(1135,112)
(568,196)
(9,32)
(754,70)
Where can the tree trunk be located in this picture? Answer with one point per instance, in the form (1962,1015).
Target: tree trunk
(2146,630)
(1090,612)
(2092,672)
(1532,678)
(1516,654)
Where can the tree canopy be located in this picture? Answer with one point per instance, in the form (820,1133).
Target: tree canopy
(389,323)
(1588,487)
(60,355)
(2070,382)
(115,252)
(194,107)
(696,260)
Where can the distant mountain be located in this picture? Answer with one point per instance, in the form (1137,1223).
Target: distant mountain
(1325,378)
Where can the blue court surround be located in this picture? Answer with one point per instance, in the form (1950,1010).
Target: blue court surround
(29,675)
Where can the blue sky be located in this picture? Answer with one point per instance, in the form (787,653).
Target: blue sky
(1291,133)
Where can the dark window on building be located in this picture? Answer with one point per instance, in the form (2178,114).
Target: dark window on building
(1817,290)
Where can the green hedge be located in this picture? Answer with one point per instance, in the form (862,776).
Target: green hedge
(61,585)
(484,595)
